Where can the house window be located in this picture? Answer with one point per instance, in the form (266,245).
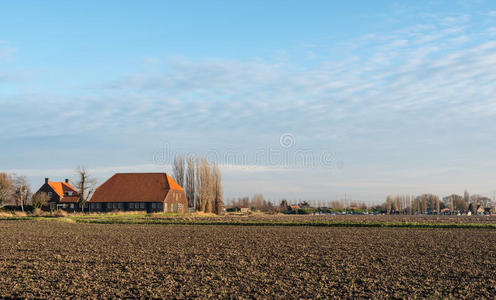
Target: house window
(72,205)
(50,194)
(131,205)
(109,205)
(154,205)
(142,205)
(120,206)
(160,206)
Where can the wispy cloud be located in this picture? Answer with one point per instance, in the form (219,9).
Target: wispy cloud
(389,93)
(416,69)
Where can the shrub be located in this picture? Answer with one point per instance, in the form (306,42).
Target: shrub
(4,214)
(37,212)
(61,213)
(20,214)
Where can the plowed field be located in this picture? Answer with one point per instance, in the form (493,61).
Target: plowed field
(43,259)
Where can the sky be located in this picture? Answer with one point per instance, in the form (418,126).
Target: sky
(303,100)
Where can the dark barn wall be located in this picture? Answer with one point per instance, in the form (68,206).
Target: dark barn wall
(126,206)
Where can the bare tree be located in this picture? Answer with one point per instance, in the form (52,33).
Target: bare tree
(178,169)
(258,201)
(6,187)
(21,191)
(204,185)
(396,204)
(389,201)
(424,204)
(474,200)
(454,202)
(218,190)
(39,200)
(85,186)
(466,197)
(438,204)
(190,182)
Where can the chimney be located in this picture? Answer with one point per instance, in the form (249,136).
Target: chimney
(66,180)
(46,180)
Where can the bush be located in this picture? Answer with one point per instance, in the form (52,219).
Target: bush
(4,214)
(61,213)
(20,214)
(37,212)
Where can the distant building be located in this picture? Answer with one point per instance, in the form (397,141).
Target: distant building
(238,209)
(244,209)
(294,207)
(445,211)
(61,195)
(151,192)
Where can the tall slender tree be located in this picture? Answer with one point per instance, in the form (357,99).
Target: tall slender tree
(218,190)
(190,181)
(178,169)
(466,197)
(204,185)
(389,201)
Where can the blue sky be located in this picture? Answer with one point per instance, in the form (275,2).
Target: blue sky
(373,97)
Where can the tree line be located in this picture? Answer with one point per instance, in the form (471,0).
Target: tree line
(202,182)
(430,203)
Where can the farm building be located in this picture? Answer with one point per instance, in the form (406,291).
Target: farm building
(61,195)
(239,209)
(151,192)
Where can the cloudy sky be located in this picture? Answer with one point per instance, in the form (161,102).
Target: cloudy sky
(295,99)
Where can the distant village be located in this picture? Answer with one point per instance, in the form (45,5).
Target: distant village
(196,185)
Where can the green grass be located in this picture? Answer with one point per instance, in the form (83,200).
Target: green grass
(175,219)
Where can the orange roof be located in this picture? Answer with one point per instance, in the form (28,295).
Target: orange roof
(172,184)
(135,187)
(61,187)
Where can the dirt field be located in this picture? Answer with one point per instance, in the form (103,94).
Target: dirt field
(55,259)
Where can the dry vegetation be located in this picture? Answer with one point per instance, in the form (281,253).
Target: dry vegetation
(54,259)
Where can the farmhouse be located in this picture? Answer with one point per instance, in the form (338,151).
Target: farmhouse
(151,192)
(61,195)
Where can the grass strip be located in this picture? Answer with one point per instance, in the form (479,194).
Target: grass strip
(290,223)
(170,221)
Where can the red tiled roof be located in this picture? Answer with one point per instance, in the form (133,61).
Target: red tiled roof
(61,187)
(135,187)
(68,199)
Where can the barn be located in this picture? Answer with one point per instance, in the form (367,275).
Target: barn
(151,192)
